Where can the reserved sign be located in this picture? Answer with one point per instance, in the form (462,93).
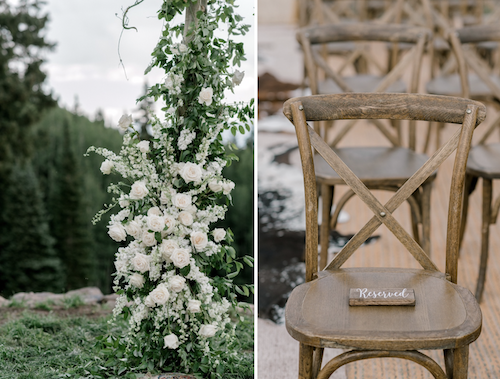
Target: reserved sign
(381,296)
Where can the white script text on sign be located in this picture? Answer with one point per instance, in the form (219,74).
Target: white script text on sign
(381,296)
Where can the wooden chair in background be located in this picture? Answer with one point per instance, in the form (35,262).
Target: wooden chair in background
(444,315)
(321,12)
(391,165)
(483,163)
(449,70)
(332,12)
(478,80)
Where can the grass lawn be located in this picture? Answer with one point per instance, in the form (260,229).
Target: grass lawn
(46,345)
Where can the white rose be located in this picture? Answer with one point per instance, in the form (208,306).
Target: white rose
(185,218)
(122,215)
(227,188)
(117,232)
(149,239)
(182,48)
(138,191)
(215,186)
(169,223)
(191,172)
(171,341)
(176,283)
(124,122)
(149,302)
(120,266)
(156,223)
(124,203)
(163,198)
(191,209)
(134,229)
(207,330)
(182,201)
(169,83)
(199,240)
(160,294)
(167,247)
(143,146)
(106,167)
(180,257)
(206,96)
(194,306)
(219,234)
(141,262)
(137,280)
(238,77)
(154,211)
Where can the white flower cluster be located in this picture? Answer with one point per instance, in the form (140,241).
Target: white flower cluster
(173,83)
(166,233)
(186,137)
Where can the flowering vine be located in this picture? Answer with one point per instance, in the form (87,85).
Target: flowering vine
(168,270)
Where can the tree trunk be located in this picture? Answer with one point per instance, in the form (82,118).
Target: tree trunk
(191,19)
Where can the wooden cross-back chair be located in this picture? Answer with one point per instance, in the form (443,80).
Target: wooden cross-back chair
(324,12)
(320,12)
(396,162)
(448,67)
(478,80)
(317,66)
(444,315)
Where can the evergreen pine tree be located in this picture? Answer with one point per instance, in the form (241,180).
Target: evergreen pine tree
(70,227)
(240,218)
(145,109)
(23,228)
(52,146)
(22,98)
(99,117)
(29,261)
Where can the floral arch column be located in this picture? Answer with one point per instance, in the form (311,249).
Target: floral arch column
(168,270)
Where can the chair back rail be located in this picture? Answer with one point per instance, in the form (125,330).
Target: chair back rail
(365,32)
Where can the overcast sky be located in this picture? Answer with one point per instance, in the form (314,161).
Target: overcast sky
(86,64)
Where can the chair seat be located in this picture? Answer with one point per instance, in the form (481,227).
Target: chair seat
(359,83)
(445,315)
(484,161)
(449,85)
(373,165)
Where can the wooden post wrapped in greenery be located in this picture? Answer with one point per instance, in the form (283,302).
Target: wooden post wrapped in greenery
(174,270)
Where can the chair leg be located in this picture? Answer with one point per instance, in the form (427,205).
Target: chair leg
(326,206)
(317,361)
(457,362)
(485,234)
(305,361)
(460,362)
(448,362)
(465,208)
